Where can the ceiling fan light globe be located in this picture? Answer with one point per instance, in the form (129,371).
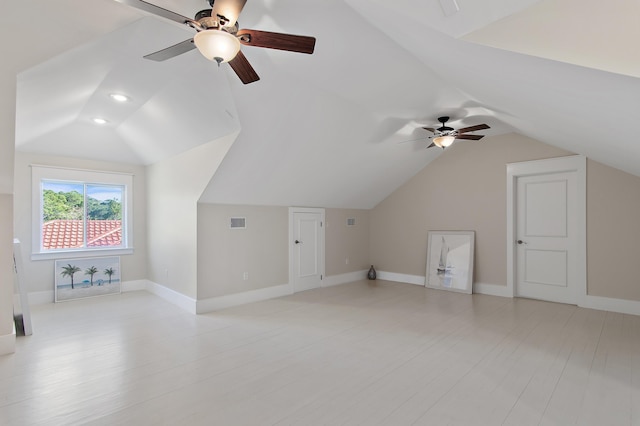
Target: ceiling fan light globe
(443,141)
(217,45)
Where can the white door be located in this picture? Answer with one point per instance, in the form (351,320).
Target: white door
(546,237)
(307,248)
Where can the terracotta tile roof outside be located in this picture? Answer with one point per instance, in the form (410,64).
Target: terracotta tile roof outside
(61,234)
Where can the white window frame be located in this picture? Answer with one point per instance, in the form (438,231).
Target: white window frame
(52,173)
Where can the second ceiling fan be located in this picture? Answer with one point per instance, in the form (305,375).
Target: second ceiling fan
(219,38)
(444,135)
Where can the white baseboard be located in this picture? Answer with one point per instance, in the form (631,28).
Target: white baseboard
(621,306)
(44,297)
(400,278)
(480,288)
(222,302)
(349,277)
(492,290)
(8,343)
(172,296)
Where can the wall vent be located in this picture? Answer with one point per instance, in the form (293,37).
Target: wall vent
(351,221)
(238,223)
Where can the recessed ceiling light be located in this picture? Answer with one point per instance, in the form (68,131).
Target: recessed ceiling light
(99,120)
(119,97)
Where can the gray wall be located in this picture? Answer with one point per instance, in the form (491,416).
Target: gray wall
(613,232)
(465,189)
(262,249)
(225,254)
(346,242)
(174,187)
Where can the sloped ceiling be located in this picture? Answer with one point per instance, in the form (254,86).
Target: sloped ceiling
(336,128)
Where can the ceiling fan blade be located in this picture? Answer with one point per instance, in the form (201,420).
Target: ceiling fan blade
(432,145)
(470,137)
(170,52)
(288,42)
(411,140)
(243,69)
(431,129)
(473,128)
(156,10)
(228,9)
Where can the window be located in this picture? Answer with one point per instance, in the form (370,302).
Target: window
(77,212)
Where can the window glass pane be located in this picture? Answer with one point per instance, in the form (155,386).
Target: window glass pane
(77,215)
(104,215)
(80,211)
(62,215)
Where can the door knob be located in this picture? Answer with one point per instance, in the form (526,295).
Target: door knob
(521,242)
(297,242)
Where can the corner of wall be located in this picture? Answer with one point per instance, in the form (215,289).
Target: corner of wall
(8,343)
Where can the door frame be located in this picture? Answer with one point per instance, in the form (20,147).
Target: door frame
(572,163)
(292,211)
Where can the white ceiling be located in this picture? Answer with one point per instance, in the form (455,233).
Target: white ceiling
(327,129)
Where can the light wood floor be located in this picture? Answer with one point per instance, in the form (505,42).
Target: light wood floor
(362,353)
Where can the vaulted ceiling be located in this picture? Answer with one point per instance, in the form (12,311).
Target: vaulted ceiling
(336,128)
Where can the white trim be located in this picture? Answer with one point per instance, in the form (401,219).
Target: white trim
(18,280)
(401,278)
(172,296)
(478,288)
(40,173)
(349,277)
(44,297)
(622,306)
(292,246)
(231,300)
(8,343)
(492,290)
(79,254)
(81,170)
(572,163)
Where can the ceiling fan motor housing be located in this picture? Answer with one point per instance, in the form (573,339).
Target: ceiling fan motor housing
(205,13)
(208,22)
(443,128)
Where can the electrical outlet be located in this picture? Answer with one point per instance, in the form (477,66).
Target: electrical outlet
(346,260)
(245,276)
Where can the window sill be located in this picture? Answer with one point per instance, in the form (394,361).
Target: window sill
(80,253)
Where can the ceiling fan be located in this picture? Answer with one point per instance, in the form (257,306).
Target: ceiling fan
(218,36)
(444,135)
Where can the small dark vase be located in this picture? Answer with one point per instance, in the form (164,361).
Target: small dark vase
(371,274)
